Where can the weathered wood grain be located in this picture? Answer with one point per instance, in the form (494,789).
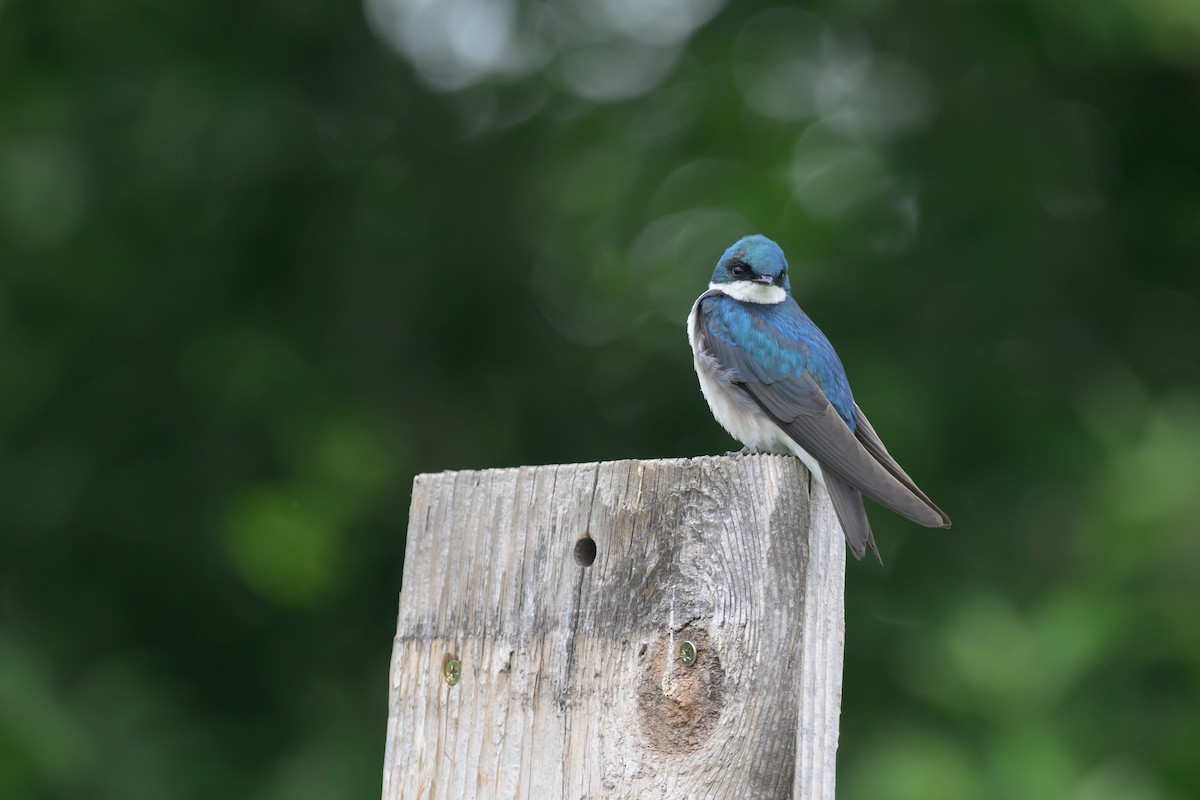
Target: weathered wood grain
(571,685)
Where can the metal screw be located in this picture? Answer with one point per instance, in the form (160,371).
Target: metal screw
(452,671)
(687,653)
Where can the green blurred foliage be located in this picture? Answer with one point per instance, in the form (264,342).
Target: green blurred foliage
(260,264)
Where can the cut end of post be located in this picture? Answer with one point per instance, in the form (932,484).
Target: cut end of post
(618,629)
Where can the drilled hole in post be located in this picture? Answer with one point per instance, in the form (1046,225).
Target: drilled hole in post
(585,551)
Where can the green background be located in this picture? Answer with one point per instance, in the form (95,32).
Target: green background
(264,262)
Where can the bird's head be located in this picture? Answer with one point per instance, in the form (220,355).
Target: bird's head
(753,270)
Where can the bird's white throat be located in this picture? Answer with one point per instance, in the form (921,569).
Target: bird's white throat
(750,292)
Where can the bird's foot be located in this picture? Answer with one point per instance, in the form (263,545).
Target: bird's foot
(745,451)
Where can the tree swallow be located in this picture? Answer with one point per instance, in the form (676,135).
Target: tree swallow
(774,382)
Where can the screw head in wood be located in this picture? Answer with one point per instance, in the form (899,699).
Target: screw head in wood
(452,671)
(687,653)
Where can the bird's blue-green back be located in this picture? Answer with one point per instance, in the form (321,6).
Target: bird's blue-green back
(780,350)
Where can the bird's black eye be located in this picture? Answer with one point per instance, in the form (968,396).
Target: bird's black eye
(739,270)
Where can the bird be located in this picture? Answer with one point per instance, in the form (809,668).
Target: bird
(774,382)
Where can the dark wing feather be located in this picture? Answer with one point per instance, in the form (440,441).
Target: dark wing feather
(828,439)
(870,440)
(797,403)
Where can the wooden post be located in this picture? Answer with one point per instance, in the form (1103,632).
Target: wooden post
(565,594)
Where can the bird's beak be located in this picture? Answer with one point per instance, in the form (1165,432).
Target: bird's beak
(764,279)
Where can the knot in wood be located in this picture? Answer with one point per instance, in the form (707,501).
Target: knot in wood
(679,706)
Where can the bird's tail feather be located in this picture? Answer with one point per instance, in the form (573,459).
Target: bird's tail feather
(848,503)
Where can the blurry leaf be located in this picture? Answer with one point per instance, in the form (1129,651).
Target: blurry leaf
(285,544)
(350,456)
(907,764)
(43,742)
(1029,759)
(43,190)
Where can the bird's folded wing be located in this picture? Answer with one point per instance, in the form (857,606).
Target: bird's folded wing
(799,406)
(827,438)
(871,441)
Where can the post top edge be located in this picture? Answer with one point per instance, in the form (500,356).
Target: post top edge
(685,461)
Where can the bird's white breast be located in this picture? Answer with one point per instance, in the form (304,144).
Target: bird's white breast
(738,414)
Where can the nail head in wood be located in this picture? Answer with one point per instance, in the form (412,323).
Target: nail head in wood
(452,671)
